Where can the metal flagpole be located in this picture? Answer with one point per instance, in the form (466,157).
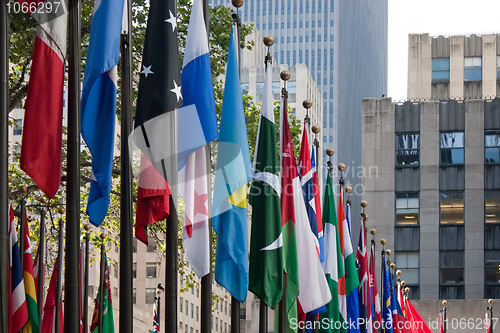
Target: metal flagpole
(59,280)
(206,281)
(126,219)
(41,258)
(382,253)
(4,162)
(100,311)
(72,275)
(22,229)
(86,281)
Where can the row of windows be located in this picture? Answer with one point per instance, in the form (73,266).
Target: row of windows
(472,69)
(150,270)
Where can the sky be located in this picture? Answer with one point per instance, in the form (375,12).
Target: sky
(436,17)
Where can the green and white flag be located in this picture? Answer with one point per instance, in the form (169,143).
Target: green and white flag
(333,264)
(266,243)
(107,309)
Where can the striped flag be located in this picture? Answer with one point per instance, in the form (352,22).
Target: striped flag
(365,305)
(99,102)
(107,309)
(376,311)
(18,309)
(29,284)
(156,323)
(487,322)
(387,299)
(42,132)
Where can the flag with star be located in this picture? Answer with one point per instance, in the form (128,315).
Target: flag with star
(159,90)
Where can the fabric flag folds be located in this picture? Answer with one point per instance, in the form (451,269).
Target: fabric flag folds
(18,309)
(156,323)
(418,325)
(197,124)
(99,102)
(29,284)
(49,309)
(333,264)
(107,309)
(376,311)
(233,171)
(387,299)
(42,132)
(266,242)
(365,304)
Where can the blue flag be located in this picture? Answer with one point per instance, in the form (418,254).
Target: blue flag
(99,102)
(234,170)
(387,298)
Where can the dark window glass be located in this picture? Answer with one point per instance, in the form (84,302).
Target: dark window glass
(451,207)
(151,270)
(451,274)
(492,266)
(407,149)
(452,148)
(151,245)
(492,207)
(18,127)
(492,148)
(134,270)
(134,296)
(441,70)
(407,208)
(472,69)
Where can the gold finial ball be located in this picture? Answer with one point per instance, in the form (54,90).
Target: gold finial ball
(285,75)
(399,272)
(23,189)
(393,265)
(407,289)
(383,241)
(366,217)
(316,129)
(268,40)
(158,292)
(9,178)
(330,152)
(86,227)
(307,103)
(403,283)
(341,167)
(61,210)
(388,252)
(43,199)
(490,301)
(103,236)
(444,302)
(364,204)
(348,189)
(373,231)
(237,3)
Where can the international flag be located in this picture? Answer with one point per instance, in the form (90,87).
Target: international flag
(107,309)
(156,323)
(49,309)
(197,124)
(348,284)
(387,299)
(401,299)
(18,309)
(153,199)
(334,263)
(42,132)
(99,102)
(232,173)
(487,322)
(38,262)
(313,287)
(365,304)
(266,242)
(397,314)
(418,324)
(376,311)
(441,329)
(29,284)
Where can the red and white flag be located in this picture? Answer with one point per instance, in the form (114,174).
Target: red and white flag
(49,309)
(377,315)
(487,322)
(365,297)
(42,133)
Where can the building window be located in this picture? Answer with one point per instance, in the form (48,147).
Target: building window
(492,148)
(492,273)
(492,206)
(452,148)
(472,69)
(451,207)
(18,127)
(151,270)
(180,302)
(441,70)
(187,307)
(409,263)
(197,313)
(134,296)
(451,274)
(192,310)
(407,149)
(116,270)
(498,67)
(150,295)
(151,245)
(134,270)
(407,208)
(134,245)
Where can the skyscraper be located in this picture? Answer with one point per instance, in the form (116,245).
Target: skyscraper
(344,45)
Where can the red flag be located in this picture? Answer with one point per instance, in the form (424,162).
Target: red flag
(42,133)
(49,309)
(441,329)
(35,270)
(377,322)
(365,298)
(418,325)
(487,322)
(152,199)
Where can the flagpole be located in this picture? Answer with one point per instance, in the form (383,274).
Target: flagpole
(41,256)
(444,302)
(22,229)
(100,311)
(4,162)
(86,280)
(72,275)
(59,278)
(490,308)
(126,219)
(382,253)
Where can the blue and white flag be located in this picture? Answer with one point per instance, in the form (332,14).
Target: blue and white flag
(99,102)
(197,125)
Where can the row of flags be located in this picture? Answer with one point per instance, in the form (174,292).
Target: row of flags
(23,291)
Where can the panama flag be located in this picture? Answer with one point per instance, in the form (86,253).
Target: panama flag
(197,123)
(387,298)
(99,102)
(29,283)
(18,309)
(266,242)
(348,284)
(376,311)
(365,304)
(333,264)
(233,171)
(42,134)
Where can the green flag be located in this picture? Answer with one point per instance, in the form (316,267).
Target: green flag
(266,268)
(107,312)
(333,264)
